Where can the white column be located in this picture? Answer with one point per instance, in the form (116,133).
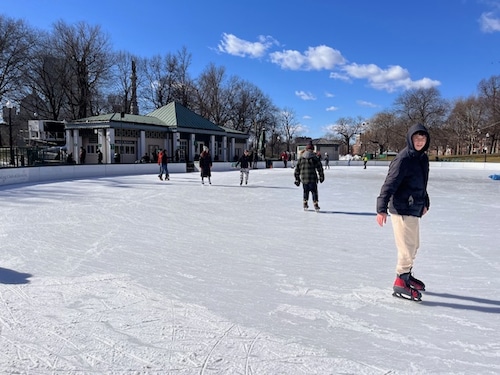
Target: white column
(142,145)
(77,142)
(212,145)
(110,140)
(103,145)
(224,148)
(232,149)
(192,147)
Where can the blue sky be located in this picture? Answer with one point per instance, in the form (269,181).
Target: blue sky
(324,59)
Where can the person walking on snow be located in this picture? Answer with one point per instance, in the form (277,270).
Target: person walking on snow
(163,163)
(244,161)
(205,165)
(404,195)
(308,170)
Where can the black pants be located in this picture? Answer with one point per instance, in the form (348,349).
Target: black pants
(311,187)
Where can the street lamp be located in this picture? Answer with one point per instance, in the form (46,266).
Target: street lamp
(9,105)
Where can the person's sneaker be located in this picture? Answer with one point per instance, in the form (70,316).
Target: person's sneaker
(402,289)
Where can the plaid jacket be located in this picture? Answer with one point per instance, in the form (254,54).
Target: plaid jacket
(308,168)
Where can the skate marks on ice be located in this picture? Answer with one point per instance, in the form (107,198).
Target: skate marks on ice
(126,328)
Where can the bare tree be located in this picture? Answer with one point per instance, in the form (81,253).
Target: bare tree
(347,128)
(167,79)
(385,132)
(48,74)
(463,124)
(423,106)
(17,40)
(86,49)
(489,93)
(288,125)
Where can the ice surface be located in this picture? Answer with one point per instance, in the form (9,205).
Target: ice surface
(135,275)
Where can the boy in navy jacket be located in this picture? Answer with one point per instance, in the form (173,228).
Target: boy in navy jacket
(404,195)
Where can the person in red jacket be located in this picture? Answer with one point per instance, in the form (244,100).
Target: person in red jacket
(163,163)
(284,157)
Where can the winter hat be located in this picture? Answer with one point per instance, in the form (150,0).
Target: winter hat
(310,146)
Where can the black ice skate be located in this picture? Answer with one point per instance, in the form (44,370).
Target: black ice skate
(316,206)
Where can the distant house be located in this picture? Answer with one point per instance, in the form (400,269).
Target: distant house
(174,127)
(321,145)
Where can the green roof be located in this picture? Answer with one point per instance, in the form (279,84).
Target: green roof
(176,115)
(173,116)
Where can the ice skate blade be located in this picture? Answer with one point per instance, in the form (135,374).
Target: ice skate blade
(406,297)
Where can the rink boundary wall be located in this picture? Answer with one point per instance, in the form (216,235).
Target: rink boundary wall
(34,175)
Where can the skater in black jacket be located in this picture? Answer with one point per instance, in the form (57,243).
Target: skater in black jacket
(206,165)
(404,195)
(244,161)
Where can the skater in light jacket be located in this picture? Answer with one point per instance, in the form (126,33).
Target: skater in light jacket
(404,195)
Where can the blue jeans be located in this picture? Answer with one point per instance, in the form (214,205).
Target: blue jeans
(164,169)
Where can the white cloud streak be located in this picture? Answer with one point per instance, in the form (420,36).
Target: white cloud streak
(235,46)
(323,57)
(489,23)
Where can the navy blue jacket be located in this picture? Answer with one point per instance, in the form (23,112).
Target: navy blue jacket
(404,191)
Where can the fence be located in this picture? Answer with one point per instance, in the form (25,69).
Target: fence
(28,157)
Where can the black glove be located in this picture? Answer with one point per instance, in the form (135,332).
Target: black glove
(321,179)
(297,182)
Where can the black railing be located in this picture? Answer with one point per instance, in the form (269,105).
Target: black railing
(28,157)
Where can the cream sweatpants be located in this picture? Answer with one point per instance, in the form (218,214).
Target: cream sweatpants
(407,236)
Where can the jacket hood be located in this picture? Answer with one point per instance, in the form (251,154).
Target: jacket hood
(417,128)
(308,154)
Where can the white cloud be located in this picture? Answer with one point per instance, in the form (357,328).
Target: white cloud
(305,95)
(315,58)
(391,79)
(329,94)
(323,57)
(340,77)
(332,108)
(233,45)
(306,117)
(489,23)
(364,103)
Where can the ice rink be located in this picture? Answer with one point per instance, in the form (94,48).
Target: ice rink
(133,275)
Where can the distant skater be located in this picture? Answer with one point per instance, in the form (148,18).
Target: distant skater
(244,161)
(163,163)
(206,165)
